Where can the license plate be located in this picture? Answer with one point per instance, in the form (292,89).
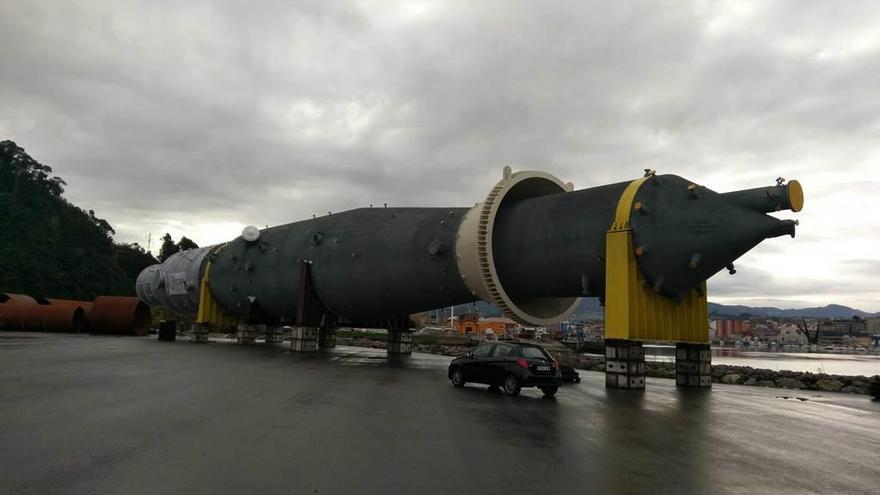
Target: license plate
(543,368)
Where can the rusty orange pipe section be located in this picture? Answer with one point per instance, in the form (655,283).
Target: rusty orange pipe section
(85,305)
(120,316)
(107,315)
(42,317)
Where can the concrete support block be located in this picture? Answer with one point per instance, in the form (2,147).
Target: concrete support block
(247,334)
(304,339)
(274,335)
(326,337)
(399,342)
(693,365)
(624,364)
(199,333)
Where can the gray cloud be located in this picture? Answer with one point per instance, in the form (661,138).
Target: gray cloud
(165,115)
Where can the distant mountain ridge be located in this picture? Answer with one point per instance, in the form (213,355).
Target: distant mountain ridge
(828,311)
(590,309)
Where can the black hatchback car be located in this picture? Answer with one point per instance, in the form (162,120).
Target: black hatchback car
(510,365)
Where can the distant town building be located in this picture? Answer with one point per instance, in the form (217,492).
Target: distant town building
(855,327)
(764,331)
(471,324)
(833,333)
(789,334)
(724,329)
(831,338)
(594,331)
(467,324)
(499,326)
(566,329)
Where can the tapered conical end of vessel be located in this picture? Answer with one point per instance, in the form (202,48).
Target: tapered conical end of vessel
(684,233)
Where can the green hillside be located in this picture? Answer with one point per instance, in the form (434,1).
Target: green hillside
(51,248)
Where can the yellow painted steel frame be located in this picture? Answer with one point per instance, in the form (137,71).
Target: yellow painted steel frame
(633,310)
(210,310)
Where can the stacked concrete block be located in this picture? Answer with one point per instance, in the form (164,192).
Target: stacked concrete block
(247,334)
(199,333)
(399,342)
(274,334)
(327,338)
(304,339)
(693,365)
(624,364)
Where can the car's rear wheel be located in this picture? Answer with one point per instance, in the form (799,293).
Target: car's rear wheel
(549,391)
(512,385)
(457,377)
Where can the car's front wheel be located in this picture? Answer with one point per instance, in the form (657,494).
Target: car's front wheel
(511,385)
(457,377)
(549,391)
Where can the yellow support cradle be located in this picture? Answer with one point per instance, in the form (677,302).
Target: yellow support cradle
(633,310)
(210,312)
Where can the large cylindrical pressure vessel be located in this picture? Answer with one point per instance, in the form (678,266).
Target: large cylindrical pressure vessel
(533,247)
(570,228)
(175,282)
(554,245)
(366,264)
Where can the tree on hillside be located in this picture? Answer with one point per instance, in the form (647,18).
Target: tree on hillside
(52,248)
(20,173)
(186,243)
(168,247)
(101,224)
(133,258)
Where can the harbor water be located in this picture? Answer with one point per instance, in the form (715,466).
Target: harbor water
(815,362)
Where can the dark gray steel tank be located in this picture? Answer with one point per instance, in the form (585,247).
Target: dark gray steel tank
(366,264)
(683,234)
(533,247)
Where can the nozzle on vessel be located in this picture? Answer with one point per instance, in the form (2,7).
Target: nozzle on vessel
(782,196)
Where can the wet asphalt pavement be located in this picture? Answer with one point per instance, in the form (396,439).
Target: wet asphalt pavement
(83,414)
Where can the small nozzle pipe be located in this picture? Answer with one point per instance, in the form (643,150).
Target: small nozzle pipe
(788,196)
(787,227)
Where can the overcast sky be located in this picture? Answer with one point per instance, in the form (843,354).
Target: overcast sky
(198,118)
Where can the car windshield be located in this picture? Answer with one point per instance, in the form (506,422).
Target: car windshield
(502,350)
(482,350)
(530,352)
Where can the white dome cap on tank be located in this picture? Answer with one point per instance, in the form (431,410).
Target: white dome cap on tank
(250,233)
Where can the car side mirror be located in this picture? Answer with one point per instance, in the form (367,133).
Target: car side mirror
(469,355)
